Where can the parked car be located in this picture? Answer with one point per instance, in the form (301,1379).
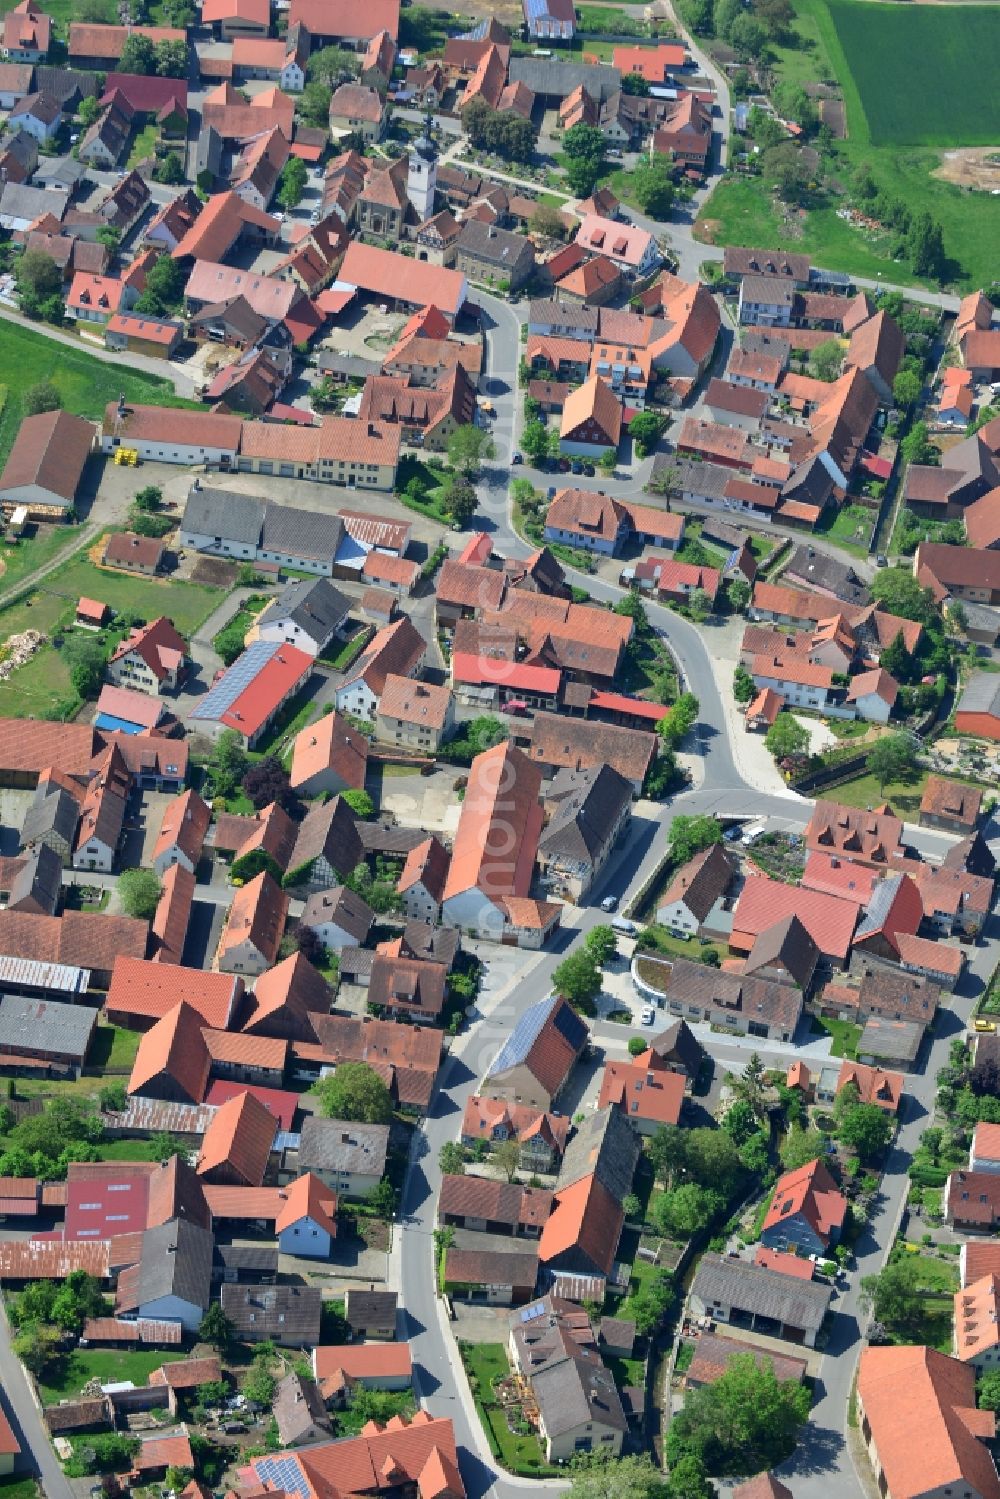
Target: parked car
(648,1015)
(609,903)
(517,458)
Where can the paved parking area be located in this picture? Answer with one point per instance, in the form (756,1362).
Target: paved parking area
(419,801)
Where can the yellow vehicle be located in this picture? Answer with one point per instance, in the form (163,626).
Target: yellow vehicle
(127,457)
(985,1025)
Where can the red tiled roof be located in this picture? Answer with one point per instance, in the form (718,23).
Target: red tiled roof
(829,920)
(238,1140)
(149,990)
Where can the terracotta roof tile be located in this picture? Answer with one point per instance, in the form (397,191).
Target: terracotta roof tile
(238,1141)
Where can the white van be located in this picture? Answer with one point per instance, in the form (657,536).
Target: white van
(623,925)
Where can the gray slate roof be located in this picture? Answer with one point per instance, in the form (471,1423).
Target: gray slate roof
(176,1261)
(39,880)
(334,1144)
(19,202)
(982,694)
(575,1391)
(370,1311)
(313,604)
(821,571)
(44,1025)
(891,1040)
(590,804)
(607,1145)
(767,1293)
(57,812)
(223,512)
(301,533)
(289,1314)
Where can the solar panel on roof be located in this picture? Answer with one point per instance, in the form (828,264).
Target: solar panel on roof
(244,670)
(569,1025)
(531,1312)
(523,1036)
(284,1473)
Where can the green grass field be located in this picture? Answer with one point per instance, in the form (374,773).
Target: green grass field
(85,384)
(105,1364)
(41,688)
(925,74)
(742,211)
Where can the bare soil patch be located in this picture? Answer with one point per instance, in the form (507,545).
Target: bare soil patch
(977,167)
(214,572)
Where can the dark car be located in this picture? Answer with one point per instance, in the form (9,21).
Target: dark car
(589,470)
(517,458)
(564,465)
(577,467)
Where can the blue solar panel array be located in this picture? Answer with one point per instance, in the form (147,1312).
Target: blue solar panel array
(535,10)
(220,698)
(531,1312)
(569,1025)
(523,1036)
(284,1473)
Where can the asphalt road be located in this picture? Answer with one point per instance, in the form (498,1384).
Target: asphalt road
(37,1455)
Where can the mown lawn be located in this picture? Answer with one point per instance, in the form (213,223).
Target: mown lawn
(42,688)
(741,211)
(104,1364)
(925,75)
(38,545)
(113,1047)
(845,1035)
(902,796)
(85,384)
(485,1362)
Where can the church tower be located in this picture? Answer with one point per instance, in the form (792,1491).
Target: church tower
(421,182)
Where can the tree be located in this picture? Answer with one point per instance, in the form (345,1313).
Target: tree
(866,1129)
(535,440)
(653,185)
(745,1422)
(826,360)
(989,1390)
(800,1146)
(313,104)
(786,737)
(584,143)
(267,782)
(359,802)
(37,1347)
(916,446)
(164,289)
(711,1159)
(354,1092)
(895,1295)
(259,1384)
(460,500)
(663,481)
(216,1328)
(681,719)
(294,179)
(755,1153)
(113,1098)
(138,55)
(744,687)
(468,446)
(608,462)
(548,221)
(169,171)
(738,597)
(688,835)
(897,591)
(667,1151)
(139,892)
(333,65)
(645,430)
(699,605)
(451,1159)
(582,172)
(637,1045)
(906,388)
(688,1481)
(88,111)
(601,943)
(785,169)
(634,83)
(39,282)
(178,1479)
(507,1156)
(749,1087)
(686,1209)
(150,497)
(42,396)
(925,243)
(620,1478)
(892,758)
(578,979)
(171,59)
(649,1305)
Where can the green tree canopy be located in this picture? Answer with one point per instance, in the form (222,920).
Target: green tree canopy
(42,396)
(468,448)
(897,591)
(294,178)
(688,835)
(578,979)
(786,737)
(892,758)
(826,360)
(139,892)
(745,1422)
(867,1129)
(800,1146)
(354,1092)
